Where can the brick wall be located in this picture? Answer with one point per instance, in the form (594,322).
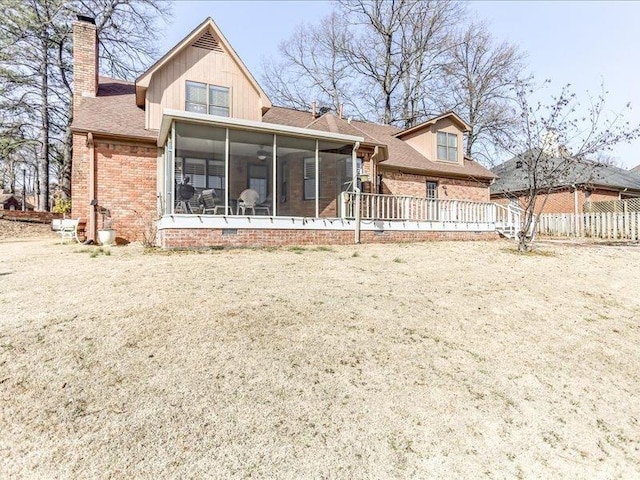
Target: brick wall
(125,184)
(563,201)
(399,183)
(206,238)
(80,177)
(85,63)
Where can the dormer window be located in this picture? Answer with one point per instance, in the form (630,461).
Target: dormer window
(203,98)
(448,146)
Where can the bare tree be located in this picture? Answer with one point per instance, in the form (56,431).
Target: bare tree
(312,67)
(480,78)
(36,69)
(554,143)
(425,48)
(378,57)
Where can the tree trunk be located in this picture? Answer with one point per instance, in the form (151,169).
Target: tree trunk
(43,173)
(65,170)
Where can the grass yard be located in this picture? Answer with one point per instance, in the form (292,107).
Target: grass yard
(433,360)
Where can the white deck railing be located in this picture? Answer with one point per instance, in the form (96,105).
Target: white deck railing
(395,207)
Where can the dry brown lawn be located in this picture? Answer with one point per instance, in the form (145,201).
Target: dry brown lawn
(433,360)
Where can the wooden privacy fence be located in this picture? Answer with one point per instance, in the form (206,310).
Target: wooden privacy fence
(607,225)
(613,206)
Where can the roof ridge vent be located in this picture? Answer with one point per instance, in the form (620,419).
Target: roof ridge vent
(208,42)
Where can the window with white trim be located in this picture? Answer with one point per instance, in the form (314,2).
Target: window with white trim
(259,180)
(202,173)
(309,173)
(203,98)
(432,190)
(448,146)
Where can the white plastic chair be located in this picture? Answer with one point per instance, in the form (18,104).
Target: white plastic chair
(247,201)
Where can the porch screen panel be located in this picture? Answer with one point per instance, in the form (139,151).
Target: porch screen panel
(167,197)
(200,156)
(251,167)
(293,178)
(334,161)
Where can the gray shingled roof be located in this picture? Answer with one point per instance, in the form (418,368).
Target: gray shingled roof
(401,154)
(112,111)
(512,178)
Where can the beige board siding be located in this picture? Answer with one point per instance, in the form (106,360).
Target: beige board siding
(167,87)
(425,140)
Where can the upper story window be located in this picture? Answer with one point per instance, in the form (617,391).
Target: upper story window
(448,146)
(203,98)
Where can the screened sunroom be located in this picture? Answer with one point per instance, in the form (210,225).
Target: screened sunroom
(222,167)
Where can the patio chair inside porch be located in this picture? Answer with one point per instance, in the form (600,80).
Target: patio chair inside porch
(211,203)
(247,201)
(185,194)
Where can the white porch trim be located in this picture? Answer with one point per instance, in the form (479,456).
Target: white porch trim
(169,116)
(187,222)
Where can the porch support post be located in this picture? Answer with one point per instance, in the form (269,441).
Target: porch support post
(274,183)
(317,180)
(356,191)
(226,172)
(575,210)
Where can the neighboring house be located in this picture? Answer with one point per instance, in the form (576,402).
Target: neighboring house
(8,201)
(197,121)
(584,181)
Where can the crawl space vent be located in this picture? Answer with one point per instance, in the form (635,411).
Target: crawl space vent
(208,42)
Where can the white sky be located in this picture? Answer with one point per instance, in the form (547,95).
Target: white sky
(581,43)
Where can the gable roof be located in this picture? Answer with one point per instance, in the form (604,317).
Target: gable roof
(427,123)
(199,34)
(514,178)
(399,154)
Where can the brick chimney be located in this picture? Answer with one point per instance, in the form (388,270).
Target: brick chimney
(85,57)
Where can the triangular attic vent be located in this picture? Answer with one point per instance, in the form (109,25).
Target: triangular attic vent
(208,42)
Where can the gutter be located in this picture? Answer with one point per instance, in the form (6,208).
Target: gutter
(118,136)
(437,173)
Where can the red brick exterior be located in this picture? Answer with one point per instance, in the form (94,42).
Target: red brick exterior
(125,184)
(85,59)
(80,177)
(411,184)
(207,238)
(563,201)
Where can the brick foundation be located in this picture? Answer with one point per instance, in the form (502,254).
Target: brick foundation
(207,238)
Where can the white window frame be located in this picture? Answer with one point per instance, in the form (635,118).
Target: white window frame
(207,107)
(450,150)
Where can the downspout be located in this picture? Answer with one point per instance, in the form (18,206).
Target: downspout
(356,190)
(91,221)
